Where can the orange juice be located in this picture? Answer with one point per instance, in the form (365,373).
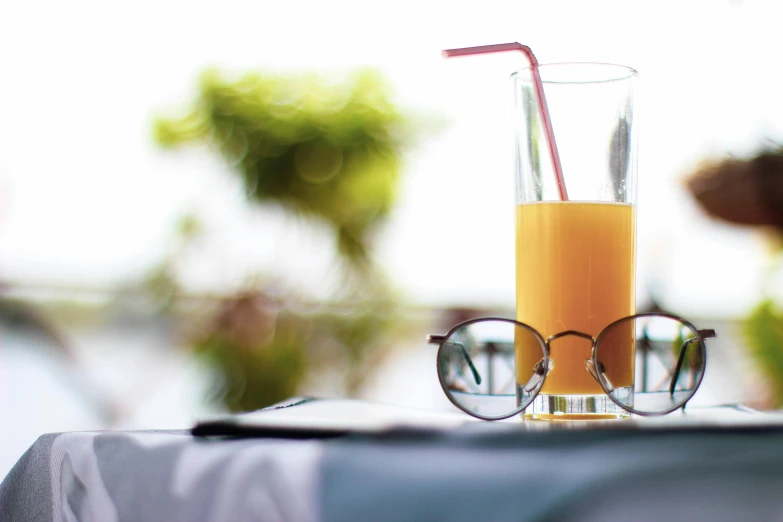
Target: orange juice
(575,271)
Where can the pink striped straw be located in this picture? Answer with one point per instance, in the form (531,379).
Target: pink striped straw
(539,87)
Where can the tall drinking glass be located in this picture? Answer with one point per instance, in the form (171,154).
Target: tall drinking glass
(575,252)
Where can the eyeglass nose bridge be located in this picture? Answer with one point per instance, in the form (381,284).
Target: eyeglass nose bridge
(597,373)
(575,333)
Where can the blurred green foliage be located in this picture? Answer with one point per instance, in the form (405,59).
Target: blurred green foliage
(749,192)
(328,149)
(263,354)
(763,329)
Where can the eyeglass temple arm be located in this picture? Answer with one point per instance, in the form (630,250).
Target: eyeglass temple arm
(704,334)
(440,339)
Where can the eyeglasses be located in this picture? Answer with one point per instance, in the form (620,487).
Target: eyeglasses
(647,364)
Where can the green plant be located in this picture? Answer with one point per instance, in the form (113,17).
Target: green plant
(321,147)
(763,329)
(749,192)
(328,149)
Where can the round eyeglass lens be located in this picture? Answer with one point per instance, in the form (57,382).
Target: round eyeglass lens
(479,371)
(668,362)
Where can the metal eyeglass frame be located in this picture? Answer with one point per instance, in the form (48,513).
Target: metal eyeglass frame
(592,364)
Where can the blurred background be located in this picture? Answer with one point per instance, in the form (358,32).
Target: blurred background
(209,207)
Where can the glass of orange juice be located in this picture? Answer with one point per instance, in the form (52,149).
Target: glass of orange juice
(575,251)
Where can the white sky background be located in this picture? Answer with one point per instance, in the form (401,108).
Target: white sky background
(87,198)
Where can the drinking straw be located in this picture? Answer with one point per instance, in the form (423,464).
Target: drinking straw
(539,91)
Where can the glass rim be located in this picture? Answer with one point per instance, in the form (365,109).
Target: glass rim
(623,73)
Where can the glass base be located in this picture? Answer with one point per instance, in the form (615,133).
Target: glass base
(579,407)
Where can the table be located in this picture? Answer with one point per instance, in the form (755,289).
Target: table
(475,472)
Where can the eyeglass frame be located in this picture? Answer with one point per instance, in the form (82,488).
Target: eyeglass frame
(702,335)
